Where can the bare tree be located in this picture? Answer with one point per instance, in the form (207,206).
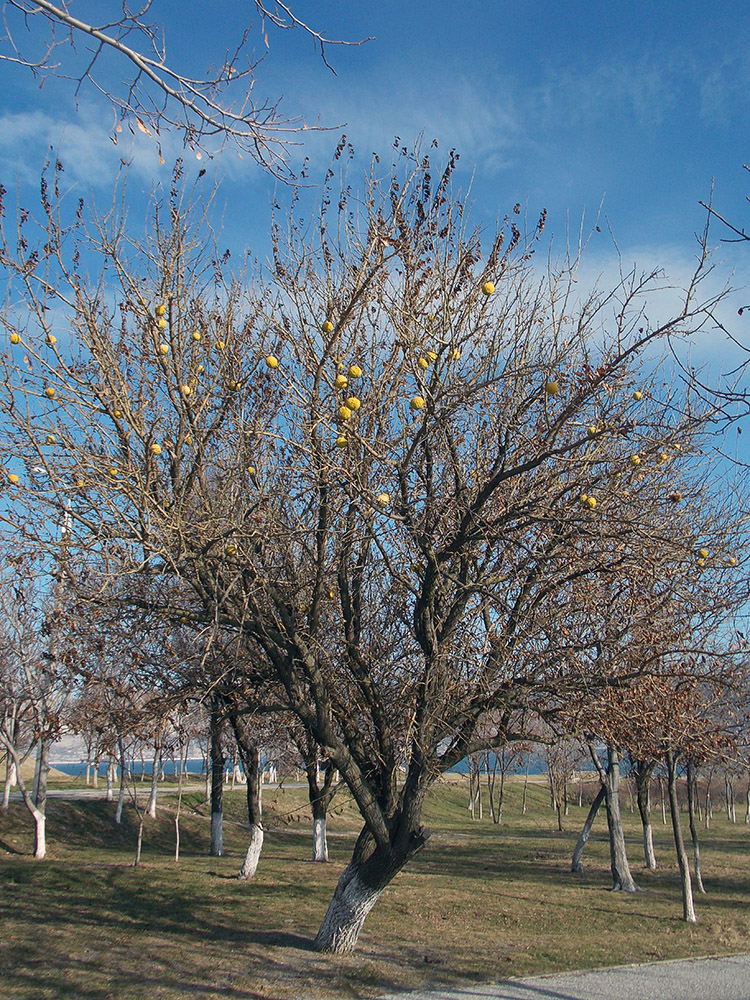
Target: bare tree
(388,465)
(209,111)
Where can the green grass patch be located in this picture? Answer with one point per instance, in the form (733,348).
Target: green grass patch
(481,903)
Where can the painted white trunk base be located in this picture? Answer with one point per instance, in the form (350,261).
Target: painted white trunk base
(250,864)
(346,914)
(320,841)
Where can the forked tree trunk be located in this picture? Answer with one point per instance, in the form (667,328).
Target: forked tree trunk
(576,865)
(692,790)
(688,909)
(37,813)
(360,886)
(216,848)
(249,752)
(622,878)
(643,771)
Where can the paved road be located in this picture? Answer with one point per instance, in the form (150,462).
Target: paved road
(692,979)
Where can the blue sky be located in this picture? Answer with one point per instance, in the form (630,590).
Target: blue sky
(636,106)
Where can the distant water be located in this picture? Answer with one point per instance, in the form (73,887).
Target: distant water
(77,769)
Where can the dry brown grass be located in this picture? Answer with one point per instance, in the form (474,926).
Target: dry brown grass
(480,903)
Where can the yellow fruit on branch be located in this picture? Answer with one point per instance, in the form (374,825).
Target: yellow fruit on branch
(432,356)
(591,502)
(637,395)
(251,470)
(635,460)
(49,392)
(700,562)
(50,439)
(155,449)
(186,391)
(13,478)
(552,388)
(220,345)
(161,309)
(355,371)
(731,561)
(15,338)
(113,472)
(117,414)
(341,441)
(50,339)
(341,382)
(344,413)
(327,326)
(272,361)
(196,337)
(353,403)
(675,497)
(230,549)
(488,287)
(383,500)
(423,363)
(417,403)
(162,324)
(163,349)
(455,354)
(703,553)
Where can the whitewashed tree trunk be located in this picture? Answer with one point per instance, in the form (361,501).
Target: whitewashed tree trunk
(250,864)
(110,782)
(346,914)
(10,781)
(688,908)
(151,806)
(320,840)
(576,864)
(643,782)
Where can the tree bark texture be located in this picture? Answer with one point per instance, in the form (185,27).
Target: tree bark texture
(360,886)
(151,806)
(576,864)
(688,909)
(320,795)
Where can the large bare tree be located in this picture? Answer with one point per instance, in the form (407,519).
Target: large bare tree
(389,463)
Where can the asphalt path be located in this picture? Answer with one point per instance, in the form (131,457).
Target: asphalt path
(690,979)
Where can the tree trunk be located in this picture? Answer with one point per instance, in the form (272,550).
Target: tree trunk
(622,878)
(688,910)
(576,864)
(121,792)
(747,803)
(40,844)
(10,781)
(218,760)
(525,785)
(360,886)
(40,799)
(643,771)
(249,752)
(151,805)
(692,790)
(320,795)
(110,781)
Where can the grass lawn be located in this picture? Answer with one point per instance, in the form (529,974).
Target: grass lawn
(481,903)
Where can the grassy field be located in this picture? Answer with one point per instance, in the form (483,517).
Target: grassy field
(481,903)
